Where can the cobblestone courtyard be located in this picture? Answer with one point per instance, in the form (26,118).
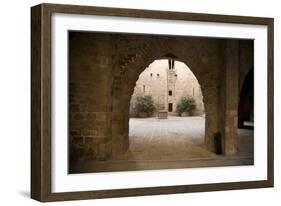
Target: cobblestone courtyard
(176,142)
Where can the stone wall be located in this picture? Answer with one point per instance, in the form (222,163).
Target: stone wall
(104,69)
(154,81)
(89,96)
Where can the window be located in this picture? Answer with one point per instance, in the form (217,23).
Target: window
(176,75)
(171,64)
(151,74)
(143,88)
(158,75)
(170,93)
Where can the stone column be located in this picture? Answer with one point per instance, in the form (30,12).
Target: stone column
(211,100)
(231,96)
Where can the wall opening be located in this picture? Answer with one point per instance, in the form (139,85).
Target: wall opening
(170,107)
(246,103)
(167,120)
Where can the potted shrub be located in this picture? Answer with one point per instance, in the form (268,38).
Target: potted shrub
(186,106)
(145,106)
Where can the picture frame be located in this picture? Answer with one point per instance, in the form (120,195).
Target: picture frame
(41,102)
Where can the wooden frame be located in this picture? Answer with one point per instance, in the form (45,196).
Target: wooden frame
(41,102)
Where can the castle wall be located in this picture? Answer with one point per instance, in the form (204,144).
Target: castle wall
(154,81)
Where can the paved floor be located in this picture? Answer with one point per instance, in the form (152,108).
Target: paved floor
(166,139)
(175,138)
(176,142)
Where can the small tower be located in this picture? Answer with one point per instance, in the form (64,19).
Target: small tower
(171,82)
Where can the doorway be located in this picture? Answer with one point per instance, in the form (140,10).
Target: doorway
(170,107)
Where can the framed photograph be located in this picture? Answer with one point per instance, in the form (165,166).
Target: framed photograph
(132,102)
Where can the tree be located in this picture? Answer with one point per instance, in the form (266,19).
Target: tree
(145,104)
(186,104)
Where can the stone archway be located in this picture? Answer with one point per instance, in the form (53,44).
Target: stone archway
(103,70)
(206,69)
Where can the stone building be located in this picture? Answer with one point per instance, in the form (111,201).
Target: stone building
(167,81)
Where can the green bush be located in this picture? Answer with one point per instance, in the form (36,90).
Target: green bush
(186,104)
(145,104)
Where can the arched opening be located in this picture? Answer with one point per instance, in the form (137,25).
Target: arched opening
(246,103)
(167,115)
(246,117)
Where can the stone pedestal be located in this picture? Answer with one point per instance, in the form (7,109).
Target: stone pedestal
(162,114)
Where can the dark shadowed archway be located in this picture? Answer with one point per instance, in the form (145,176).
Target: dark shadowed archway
(246,103)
